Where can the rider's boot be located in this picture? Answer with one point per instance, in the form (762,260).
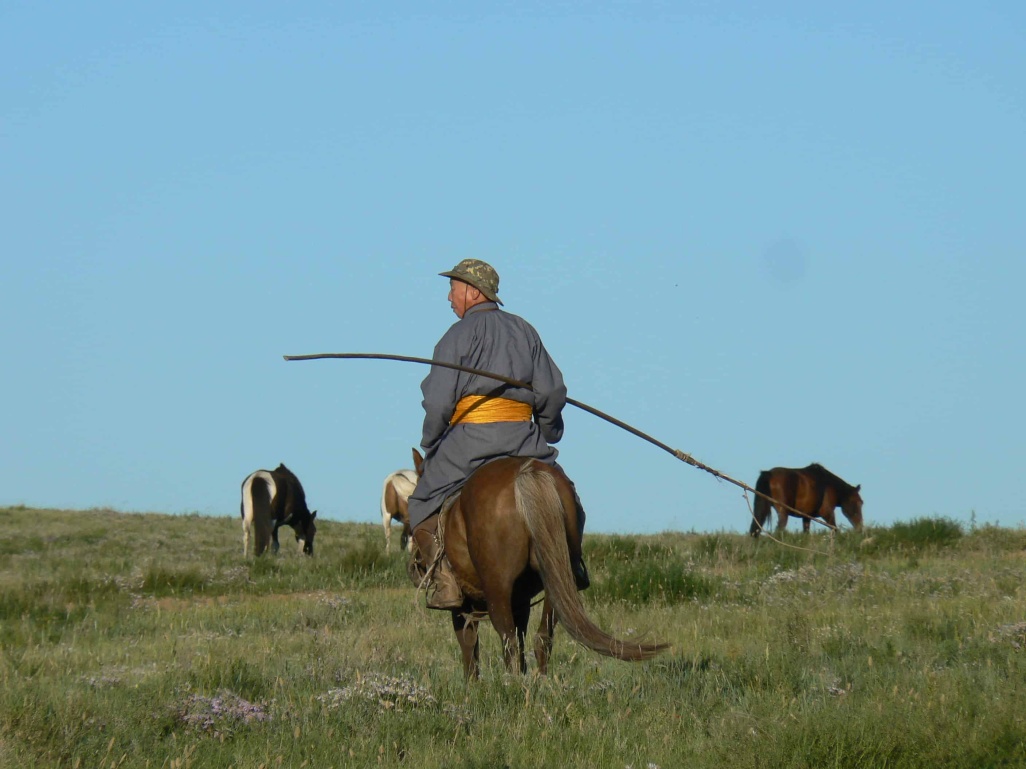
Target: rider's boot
(442,591)
(581,575)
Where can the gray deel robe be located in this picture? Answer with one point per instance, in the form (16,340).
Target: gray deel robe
(488,339)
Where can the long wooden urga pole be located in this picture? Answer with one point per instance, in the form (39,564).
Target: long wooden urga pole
(683,457)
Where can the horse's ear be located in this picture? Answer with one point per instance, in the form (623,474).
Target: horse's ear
(859,487)
(313,515)
(418,460)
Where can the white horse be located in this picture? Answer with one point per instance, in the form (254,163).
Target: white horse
(395,492)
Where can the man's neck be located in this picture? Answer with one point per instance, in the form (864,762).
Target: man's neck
(481,306)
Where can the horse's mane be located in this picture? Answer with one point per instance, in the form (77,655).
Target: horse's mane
(296,489)
(825,476)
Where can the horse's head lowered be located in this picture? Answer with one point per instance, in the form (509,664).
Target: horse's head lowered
(851,506)
(305,528)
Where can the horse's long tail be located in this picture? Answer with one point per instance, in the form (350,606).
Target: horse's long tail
(761,509)
(538,501)
(257,492)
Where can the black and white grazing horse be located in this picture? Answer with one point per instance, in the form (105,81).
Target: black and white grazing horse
(272,499)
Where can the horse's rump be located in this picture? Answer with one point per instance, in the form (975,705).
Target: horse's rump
(258,491)
(395,494)
(761,508)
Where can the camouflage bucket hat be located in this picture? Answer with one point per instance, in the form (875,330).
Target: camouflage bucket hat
(480,275)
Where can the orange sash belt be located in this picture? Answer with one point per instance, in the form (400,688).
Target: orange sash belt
(481,409)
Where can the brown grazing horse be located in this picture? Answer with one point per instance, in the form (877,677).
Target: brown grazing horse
(814,491)
(510,534)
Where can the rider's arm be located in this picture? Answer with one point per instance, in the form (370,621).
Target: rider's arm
(439,388)
(550,394)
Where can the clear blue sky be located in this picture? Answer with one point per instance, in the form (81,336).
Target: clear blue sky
(765,237)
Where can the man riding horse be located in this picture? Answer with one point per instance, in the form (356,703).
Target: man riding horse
(470,420)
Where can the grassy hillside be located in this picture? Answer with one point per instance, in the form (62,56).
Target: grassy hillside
(148,640)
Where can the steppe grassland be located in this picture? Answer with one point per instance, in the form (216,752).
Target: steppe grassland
(148,640)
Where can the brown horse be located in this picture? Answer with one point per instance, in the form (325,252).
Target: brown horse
(510,534)
(814,491)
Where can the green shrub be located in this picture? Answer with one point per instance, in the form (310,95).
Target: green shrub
(600,550)
(916,536)
(645,581)
(159,580)
(722,548)
(367,563)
